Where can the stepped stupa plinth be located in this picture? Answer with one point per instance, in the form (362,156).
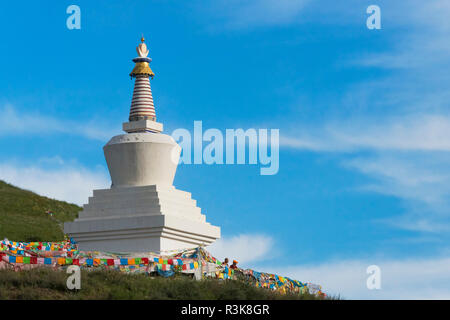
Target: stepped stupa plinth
(142,211)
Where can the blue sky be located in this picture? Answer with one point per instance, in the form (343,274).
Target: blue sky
(363,116)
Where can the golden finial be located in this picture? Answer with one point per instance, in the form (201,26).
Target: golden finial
(142,62)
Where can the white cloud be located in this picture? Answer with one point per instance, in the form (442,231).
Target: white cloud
(244,248)
(417,52)
(13,122)
(425,44)
(406,157)
(418,177)
(420,132)
(400,279)
(69,183)
(400,137)
(426,278)
(421,179)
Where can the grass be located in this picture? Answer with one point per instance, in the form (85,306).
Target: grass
(23,215)
(45,283)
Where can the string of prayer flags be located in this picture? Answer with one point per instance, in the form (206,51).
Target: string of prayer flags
(94,262)
(66,253)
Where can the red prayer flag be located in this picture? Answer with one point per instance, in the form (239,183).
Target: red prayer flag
(144,260)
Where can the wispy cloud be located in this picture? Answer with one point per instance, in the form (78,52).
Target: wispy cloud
(420,132)
(245,248)
(425,278)
(422,180)
(62,181)
(13,122)
(408,177)
(416,55)
(396,129)
(425,46)
(406,157)
(400,279)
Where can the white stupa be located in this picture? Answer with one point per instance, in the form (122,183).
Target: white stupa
(142,211)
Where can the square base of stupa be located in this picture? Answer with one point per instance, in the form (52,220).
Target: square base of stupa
(141,219)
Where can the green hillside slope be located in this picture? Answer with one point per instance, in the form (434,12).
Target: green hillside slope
(45,283)
(24,217)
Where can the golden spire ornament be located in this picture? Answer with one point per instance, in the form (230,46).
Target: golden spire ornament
(142,66)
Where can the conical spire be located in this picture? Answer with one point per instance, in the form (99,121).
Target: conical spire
(142,107)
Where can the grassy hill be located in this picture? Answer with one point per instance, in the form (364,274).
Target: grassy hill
(45,283)
(24,217)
